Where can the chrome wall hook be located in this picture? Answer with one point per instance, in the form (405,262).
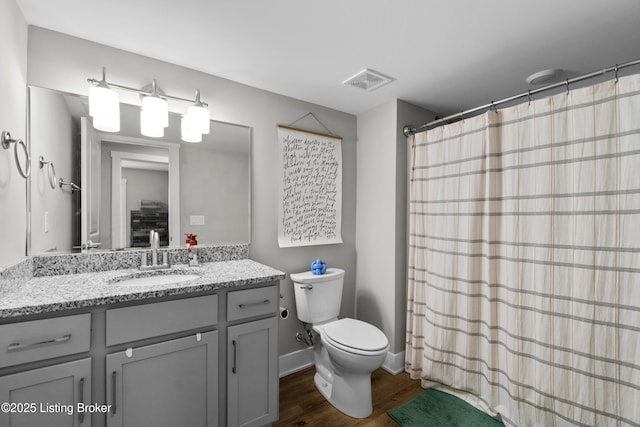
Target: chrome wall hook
(72,186)
(6,142)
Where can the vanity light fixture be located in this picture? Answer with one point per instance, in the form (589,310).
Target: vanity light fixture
(104,105)
(154,114)
(191,130)
(199,114)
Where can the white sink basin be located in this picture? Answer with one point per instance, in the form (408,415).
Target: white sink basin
(157,280)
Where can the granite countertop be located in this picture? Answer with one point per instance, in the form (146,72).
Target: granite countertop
(46,294)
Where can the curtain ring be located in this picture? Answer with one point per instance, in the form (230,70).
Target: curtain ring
(616,72)
(567,83)
(529,96)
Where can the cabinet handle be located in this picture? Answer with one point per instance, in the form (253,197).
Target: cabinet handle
(235,354)
(113,392)
(26,345)
(254,303)
(81,399)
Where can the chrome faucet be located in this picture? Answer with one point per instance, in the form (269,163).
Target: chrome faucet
(154,243)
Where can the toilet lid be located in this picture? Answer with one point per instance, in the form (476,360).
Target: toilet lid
(356,334)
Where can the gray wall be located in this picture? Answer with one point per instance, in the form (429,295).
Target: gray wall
(208,177)
(64,63)
(381,217)
(13,92)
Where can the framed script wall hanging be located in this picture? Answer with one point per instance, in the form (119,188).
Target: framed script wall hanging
(310,188)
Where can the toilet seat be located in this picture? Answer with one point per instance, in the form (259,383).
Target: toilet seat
(355,336)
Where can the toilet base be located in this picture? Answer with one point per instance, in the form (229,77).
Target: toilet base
(351,395)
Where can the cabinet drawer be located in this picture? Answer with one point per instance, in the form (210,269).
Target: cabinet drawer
(43,339)
(152,320)
(252,302)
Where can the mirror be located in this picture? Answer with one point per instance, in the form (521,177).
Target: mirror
(130,184)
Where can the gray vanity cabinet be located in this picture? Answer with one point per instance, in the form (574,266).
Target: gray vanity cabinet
(201,360)
(47,396)
(169,383)
(252,358)
(172,383)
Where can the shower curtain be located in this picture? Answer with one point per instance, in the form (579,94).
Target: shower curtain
(524,258)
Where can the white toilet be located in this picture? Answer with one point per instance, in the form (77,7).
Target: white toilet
(346,351)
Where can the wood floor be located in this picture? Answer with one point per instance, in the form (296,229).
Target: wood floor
(302,405)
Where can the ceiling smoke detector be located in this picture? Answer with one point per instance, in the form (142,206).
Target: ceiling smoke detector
(368,80)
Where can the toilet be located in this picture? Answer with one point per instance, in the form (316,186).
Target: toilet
(346,351)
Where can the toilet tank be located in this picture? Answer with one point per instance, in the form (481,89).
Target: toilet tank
(318,296)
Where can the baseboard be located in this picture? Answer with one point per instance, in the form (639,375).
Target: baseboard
(301,359)
(394,363)
(296,361)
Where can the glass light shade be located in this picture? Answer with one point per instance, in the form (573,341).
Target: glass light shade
(149,126)
(104,107)
(190,129)
(107,122)
(156,109)
(201,116)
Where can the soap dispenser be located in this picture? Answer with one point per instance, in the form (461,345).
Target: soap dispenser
(192,249)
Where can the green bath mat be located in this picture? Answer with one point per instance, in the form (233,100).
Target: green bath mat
(439,409)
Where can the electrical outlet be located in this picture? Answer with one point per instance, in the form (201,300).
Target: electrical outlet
(46,221)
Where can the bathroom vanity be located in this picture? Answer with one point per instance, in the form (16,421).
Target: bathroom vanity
(121,347)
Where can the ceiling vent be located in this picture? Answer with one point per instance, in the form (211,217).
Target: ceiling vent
(545,77)
(368,80)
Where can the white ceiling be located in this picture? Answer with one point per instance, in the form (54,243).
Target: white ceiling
(446,55)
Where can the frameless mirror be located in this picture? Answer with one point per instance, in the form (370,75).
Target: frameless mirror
(128,184)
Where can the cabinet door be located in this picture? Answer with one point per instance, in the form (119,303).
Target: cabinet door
(173,383)
(47,396)
(252,374)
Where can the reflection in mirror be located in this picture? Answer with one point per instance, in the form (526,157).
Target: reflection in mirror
(132,184)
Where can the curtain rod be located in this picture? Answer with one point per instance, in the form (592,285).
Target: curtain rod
(409,130)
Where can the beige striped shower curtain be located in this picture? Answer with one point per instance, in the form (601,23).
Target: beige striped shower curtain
(524,258)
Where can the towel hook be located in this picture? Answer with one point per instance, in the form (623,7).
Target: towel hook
(6,141)
(51,171)
(72,186)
